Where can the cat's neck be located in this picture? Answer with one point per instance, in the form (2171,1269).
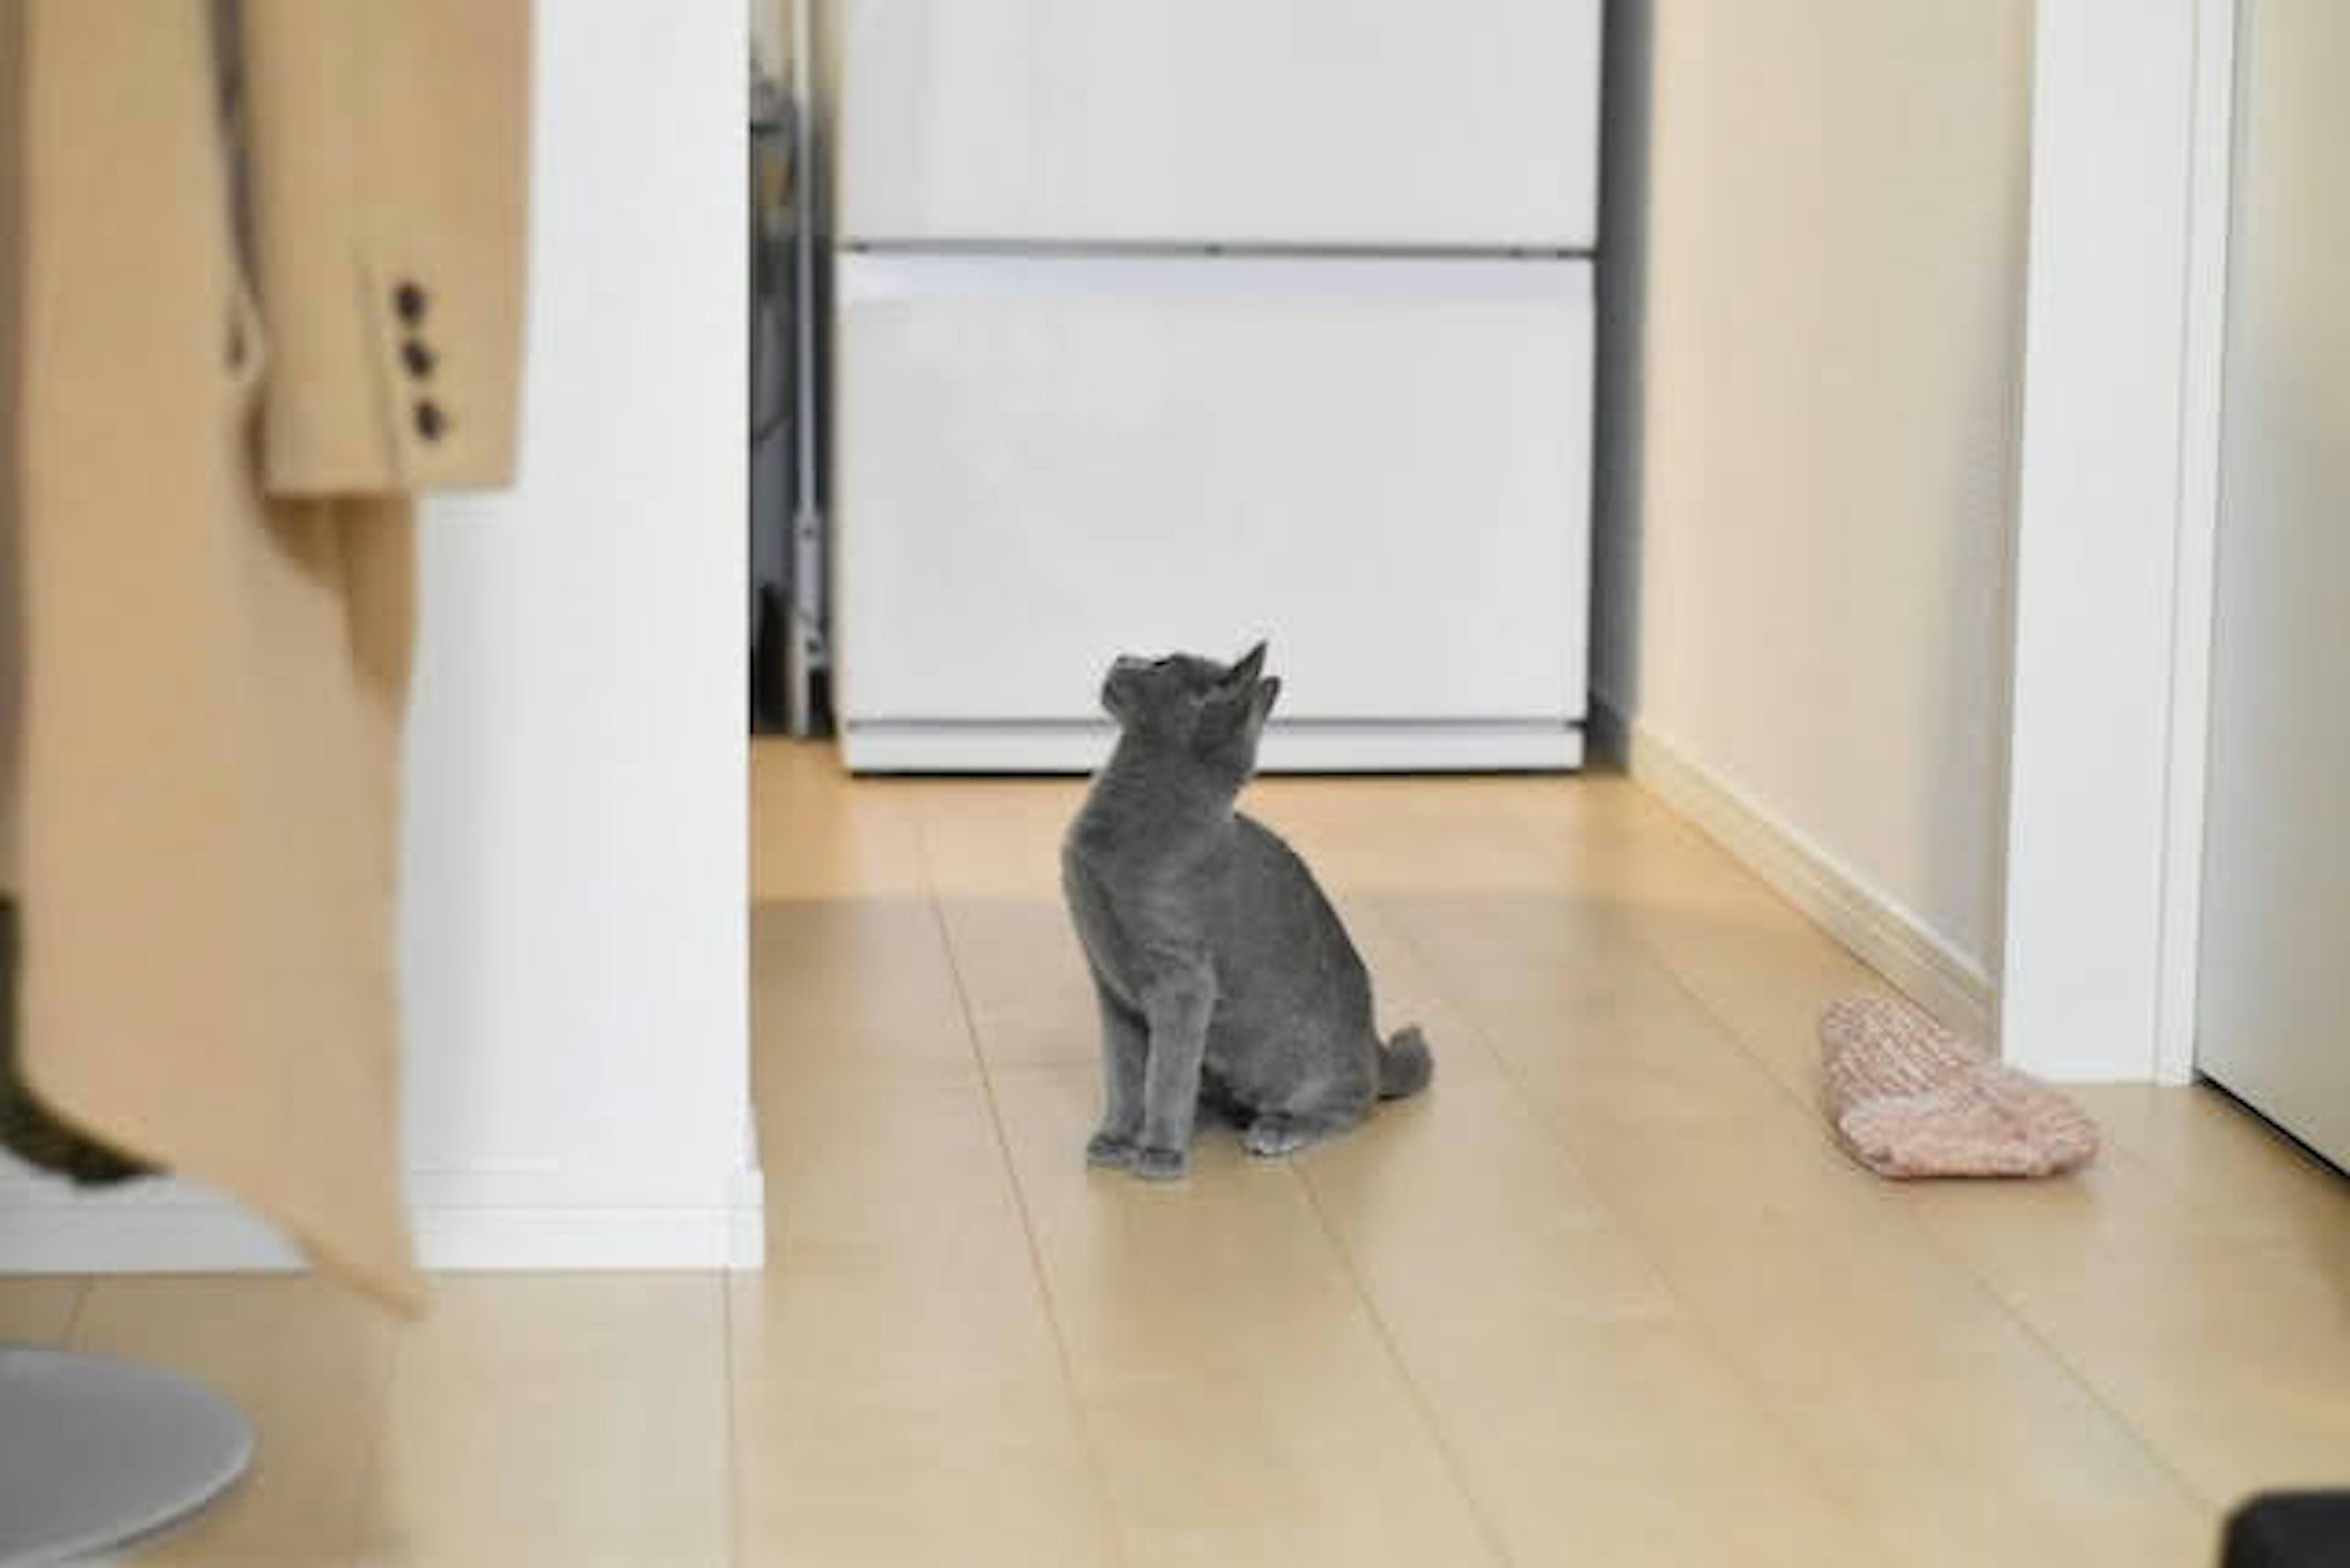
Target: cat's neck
(1150,793)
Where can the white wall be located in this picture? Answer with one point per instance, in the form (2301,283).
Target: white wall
(576,889)
(1807,472)
(2117,490)
(575,879)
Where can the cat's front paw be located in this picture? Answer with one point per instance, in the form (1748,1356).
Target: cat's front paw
(1161,1164)
(1108,1151)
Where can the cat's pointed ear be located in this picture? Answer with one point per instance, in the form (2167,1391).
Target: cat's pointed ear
(1243,675)
(1231,722)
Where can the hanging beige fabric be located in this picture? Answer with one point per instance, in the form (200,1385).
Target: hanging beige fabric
(262,268)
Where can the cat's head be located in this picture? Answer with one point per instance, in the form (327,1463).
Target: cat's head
(1211,712)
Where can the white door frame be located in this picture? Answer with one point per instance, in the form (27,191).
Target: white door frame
(2132,104)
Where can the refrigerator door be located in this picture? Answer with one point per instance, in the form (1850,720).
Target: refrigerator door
(1382,466)
(1322,123)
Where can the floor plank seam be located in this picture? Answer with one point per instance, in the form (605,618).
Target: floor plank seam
(1478,1509)
(369,1471)
(1070,1396)
(1756,1393)
(736,1491)
(72,1327)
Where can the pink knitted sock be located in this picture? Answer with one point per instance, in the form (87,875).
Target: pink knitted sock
(1909,1098)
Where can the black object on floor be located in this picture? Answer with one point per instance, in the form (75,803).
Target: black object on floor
(27,1129)
(2289,1530)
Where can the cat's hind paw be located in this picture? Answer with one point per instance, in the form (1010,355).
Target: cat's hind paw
(1272,1137)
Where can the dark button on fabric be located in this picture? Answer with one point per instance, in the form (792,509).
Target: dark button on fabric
(410,300)
(429,420)
(419,359)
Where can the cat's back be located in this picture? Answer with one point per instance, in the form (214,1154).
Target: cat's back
(1283,952)
(1259,851)
(1269,883)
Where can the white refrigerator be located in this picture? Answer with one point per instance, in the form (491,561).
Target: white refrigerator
(1177,324)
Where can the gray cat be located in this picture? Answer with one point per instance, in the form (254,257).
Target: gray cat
(1222,971)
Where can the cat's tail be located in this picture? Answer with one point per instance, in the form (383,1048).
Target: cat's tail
(1404,1065)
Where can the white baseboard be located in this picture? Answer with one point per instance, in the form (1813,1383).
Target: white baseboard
(1888,938)
(464,1220)
(1301,747)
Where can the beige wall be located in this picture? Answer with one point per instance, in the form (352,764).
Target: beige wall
(1811,338)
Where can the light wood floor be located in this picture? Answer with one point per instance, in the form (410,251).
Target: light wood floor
(1605,1295)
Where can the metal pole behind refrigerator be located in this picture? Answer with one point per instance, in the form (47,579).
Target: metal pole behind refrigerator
(775,444)
(808,654)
